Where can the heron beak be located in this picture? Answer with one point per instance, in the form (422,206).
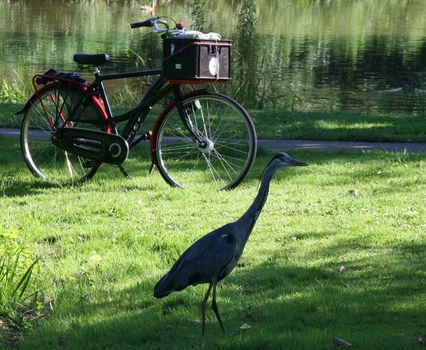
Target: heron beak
(295,162)
(299,163)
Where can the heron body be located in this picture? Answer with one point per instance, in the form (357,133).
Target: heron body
(212,257)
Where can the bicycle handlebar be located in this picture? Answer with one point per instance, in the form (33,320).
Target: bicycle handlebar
(152,22)
(146,23)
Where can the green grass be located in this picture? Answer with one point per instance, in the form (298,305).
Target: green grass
(103,246)
(340,126)
(8,118)
(281,124)
(15,276)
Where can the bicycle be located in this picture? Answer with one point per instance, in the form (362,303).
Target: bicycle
(68,129)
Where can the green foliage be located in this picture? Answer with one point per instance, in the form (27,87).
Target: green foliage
(15,89)
(16,269)
(246,61)
(11,92)
(198,10)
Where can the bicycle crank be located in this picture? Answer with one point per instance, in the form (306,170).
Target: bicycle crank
(92,144)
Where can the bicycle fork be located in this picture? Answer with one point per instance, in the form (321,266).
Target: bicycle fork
(202,140)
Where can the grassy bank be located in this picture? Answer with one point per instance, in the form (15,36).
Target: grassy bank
(102,247)
(280,124)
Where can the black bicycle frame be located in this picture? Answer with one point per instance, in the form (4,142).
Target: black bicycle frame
(136,116)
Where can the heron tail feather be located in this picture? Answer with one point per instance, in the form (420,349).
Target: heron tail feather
(164,287)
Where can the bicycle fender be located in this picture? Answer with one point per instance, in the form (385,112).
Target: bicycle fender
(31,100)
(159,120)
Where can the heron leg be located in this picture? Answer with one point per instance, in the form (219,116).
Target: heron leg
(203,309)
(216,310)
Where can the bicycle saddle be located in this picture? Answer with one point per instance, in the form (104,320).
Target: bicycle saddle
(92,59)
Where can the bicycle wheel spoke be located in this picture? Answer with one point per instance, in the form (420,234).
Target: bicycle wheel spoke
(233,149)
(229,149)
(175,146)
(52,108)
(225,164)
(68,164)
(43,119)
(230,161)
(212,169)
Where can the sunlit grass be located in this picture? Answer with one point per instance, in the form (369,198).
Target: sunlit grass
(281,124)
(340,126)
(104,245)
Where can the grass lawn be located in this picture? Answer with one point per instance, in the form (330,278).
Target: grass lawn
(104,245)
(280,124)
(8,118)
(340,126)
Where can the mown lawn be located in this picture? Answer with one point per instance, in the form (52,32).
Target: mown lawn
(340,126)
(281,124)
(104,245)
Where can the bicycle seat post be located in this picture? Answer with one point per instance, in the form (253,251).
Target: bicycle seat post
(99,87)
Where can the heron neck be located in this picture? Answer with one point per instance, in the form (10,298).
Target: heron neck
(251,215)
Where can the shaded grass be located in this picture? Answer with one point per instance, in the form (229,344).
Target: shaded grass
(8,117)
(104,245)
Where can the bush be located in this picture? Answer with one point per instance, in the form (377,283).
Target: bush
(11,92)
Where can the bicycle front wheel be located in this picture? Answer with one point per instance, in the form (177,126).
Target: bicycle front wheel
(48,111)
(227,154)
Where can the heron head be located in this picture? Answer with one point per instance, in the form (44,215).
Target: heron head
(284,160)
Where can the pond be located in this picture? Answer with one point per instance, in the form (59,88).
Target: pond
(326,55)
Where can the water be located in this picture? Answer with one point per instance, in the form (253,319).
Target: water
(327,55)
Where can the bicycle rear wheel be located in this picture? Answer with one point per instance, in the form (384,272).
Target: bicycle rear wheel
(48,111)
(230,143)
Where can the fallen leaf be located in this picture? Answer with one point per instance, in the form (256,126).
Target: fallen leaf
(341,343)
(47,301)
(340,269)
(95,258)
(354,192)
(245,326)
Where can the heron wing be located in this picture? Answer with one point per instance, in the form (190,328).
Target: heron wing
(213,256)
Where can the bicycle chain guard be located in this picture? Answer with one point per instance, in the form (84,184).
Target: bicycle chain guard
(92,144)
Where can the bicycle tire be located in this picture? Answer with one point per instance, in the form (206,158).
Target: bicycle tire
(41,156)
(231,149)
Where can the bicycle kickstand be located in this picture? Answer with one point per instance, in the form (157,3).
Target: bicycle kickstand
(124,171)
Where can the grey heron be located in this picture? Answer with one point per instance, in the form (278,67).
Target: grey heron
(212,257)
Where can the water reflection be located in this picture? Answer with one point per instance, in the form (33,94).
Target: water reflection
(301,55)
